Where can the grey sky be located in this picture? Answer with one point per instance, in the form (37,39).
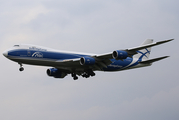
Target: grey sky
(94,26)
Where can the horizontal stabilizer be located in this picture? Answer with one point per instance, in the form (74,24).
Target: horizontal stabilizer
(153,60)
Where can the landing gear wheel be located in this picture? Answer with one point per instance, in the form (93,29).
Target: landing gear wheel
(93,74)
(73,75)
(21,69)
(86,75)
(75,78)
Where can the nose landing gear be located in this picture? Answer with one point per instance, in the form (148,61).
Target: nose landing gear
(21,67)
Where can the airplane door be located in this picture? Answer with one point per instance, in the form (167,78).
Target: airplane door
(28,53)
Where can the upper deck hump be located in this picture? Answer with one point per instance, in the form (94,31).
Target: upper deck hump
(41,48)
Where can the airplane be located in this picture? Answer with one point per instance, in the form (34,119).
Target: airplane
(82,64)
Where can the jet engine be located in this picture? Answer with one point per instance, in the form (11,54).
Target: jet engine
(53,72)
(119,54)
(87,61)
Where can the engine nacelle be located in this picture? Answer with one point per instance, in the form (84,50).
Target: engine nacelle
(87,61)
(119,54)
(53,72)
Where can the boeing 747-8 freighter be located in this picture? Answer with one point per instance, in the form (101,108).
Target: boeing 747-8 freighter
(82,64)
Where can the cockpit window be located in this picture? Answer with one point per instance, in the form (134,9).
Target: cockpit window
(16,45)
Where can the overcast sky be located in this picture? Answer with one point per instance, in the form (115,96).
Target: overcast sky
(94,26)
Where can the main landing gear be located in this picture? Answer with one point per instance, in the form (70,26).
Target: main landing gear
(86,74)
(21,67)
(74,76)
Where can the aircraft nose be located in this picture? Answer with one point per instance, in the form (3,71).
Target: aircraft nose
(5,53)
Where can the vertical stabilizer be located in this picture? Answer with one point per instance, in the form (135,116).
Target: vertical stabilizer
(144,53)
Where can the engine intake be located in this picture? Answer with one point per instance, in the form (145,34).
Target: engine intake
(53,72)
(87,61)
(119,54)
